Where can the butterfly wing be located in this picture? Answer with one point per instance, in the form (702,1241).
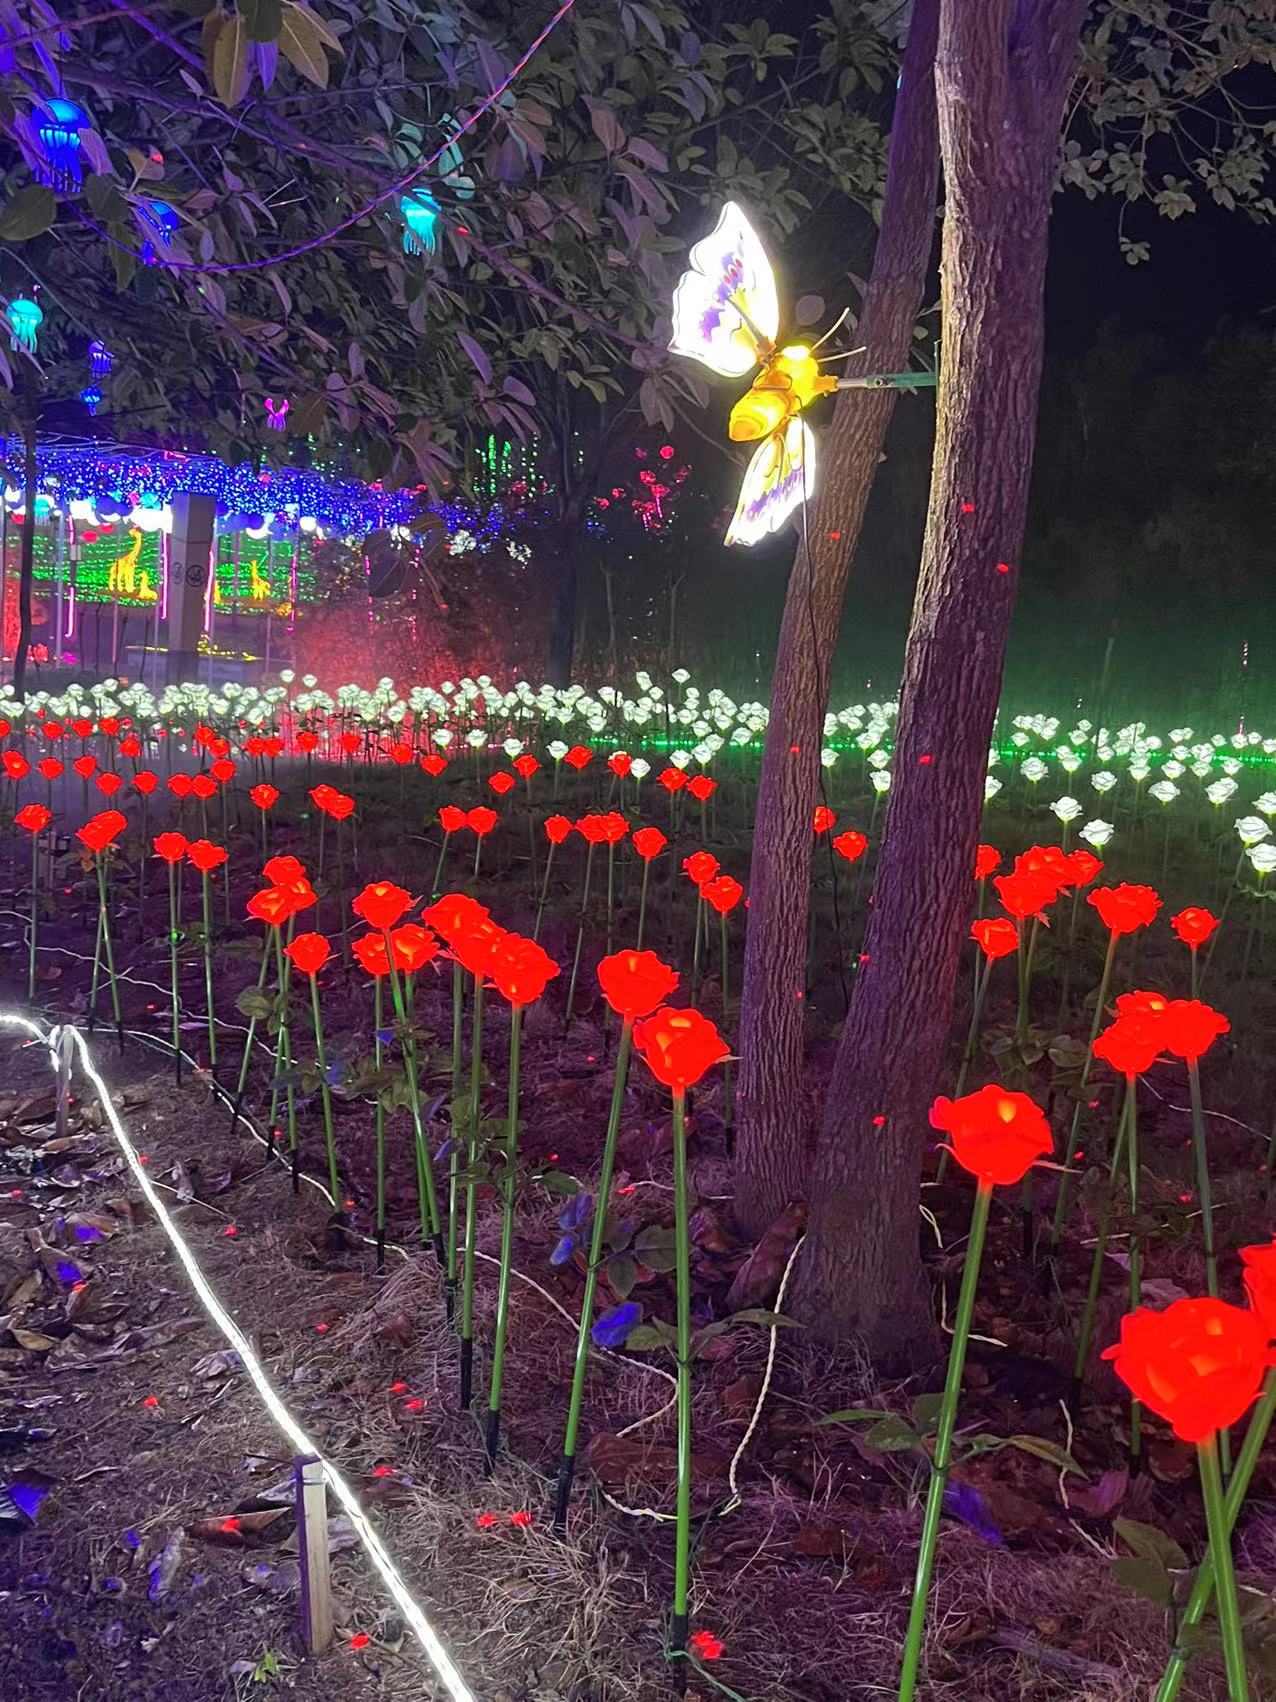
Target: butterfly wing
(780,474)
(726,312)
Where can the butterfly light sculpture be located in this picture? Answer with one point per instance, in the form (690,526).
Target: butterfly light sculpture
(726,314)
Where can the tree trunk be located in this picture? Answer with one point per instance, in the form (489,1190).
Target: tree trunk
(771,1143)
(1001,72)
(566,583)
(26,560)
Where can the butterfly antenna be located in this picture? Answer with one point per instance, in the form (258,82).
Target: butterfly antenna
(845,355)
(839,321)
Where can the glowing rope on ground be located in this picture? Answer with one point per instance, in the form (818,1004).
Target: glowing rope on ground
(440,1659)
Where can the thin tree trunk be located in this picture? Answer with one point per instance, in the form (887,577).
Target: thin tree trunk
(26,567)
(1002,70)
(771,1140)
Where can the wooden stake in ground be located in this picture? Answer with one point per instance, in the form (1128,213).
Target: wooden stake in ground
(312,1551)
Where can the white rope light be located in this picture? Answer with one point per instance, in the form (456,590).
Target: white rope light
(439,1658)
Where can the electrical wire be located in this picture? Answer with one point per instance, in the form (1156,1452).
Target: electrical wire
(413,1614)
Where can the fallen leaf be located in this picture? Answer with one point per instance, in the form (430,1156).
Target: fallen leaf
(758,1278)
(232,1530)
(35,1341)
(1102,1498)
(164,1567)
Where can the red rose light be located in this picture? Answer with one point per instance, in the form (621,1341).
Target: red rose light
(701,866)
(273,905)
(1198,1365)
(451,819)
(635,982)
(381,904)
(222,771)
(332,803)
(1189,1028)
(452,914)
(823,819)
(145,781)
(501,782)
(577,757)
(987,860)
(526,765)
(265,797)
(179,785)
(33,817)
(49,767)
(702,788)
(203,786)
(722,894)
(481,820)
(1085,866)
(109,784)
(591,829)
(996,1135)
(1131,1044)
(206,856)
(649,842)
(84,766)
(473,944)
(16,766)
(620,762)
(283,869)
(994,936)
(850,845)
(434,764)
(413,947)
(401,754)
(672,779)
(556,829)
(307,742)
(614,828)
(679,1046)
(1024,894)
(101,830)
(1194,925)
(520,969)
(1125,908)
(309,952)
(170,846)
(371,952)
(350,742)
(1050,862)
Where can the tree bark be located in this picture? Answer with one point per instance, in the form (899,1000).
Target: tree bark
(771,1146)
(1002,70)
(26,559)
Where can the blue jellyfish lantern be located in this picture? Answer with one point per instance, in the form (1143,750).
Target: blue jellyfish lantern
(25,318)
(420,216)
(158,222)
(100,358)
(58,125)
(91,396)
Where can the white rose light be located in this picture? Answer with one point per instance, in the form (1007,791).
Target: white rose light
(991,787)
(1103,781)
(1250,830)
(1263,859)
(1067,809)
(1164,791)
(1097,833)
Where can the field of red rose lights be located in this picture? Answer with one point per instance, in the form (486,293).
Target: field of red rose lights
(387,931)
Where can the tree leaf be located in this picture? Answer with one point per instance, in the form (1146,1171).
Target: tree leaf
(1146,1578)
(607,127)
(622,1274)
(1043,1449)
(892,1436)
(481,364)
(262,18)
(854,1415)
(230,66)
(1149,1543)
(646,1338)
(302,45)
(808,309)
(29,213)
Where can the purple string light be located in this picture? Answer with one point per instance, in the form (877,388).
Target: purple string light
(223,268)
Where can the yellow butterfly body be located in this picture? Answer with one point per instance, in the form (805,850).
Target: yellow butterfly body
(726,314)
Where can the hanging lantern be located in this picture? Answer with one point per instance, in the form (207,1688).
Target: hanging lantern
(25,318)
(158,222)
(276,413)
(420,215)
(91,396)
(100,358)
(58,126)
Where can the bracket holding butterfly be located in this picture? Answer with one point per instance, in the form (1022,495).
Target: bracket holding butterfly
(726,315)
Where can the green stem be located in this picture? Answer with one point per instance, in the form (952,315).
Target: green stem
(1229,1614)
(174,924)
(438,867)
(682,1278)
(540,907)
(1203,1586)
(454,1162)
(727,1118)
(252,1022)
(378,1020)
(427,1200)
(471,1191)
(944,1444)
(597,1234)
(334,1180)
(1203,1177)
(509,1189)
(1074,1133)
(208,973)
(642,902)
(109,949)
(1136,1248)
(580,938)
(35,842)
(1101,1244)
(972,1038)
